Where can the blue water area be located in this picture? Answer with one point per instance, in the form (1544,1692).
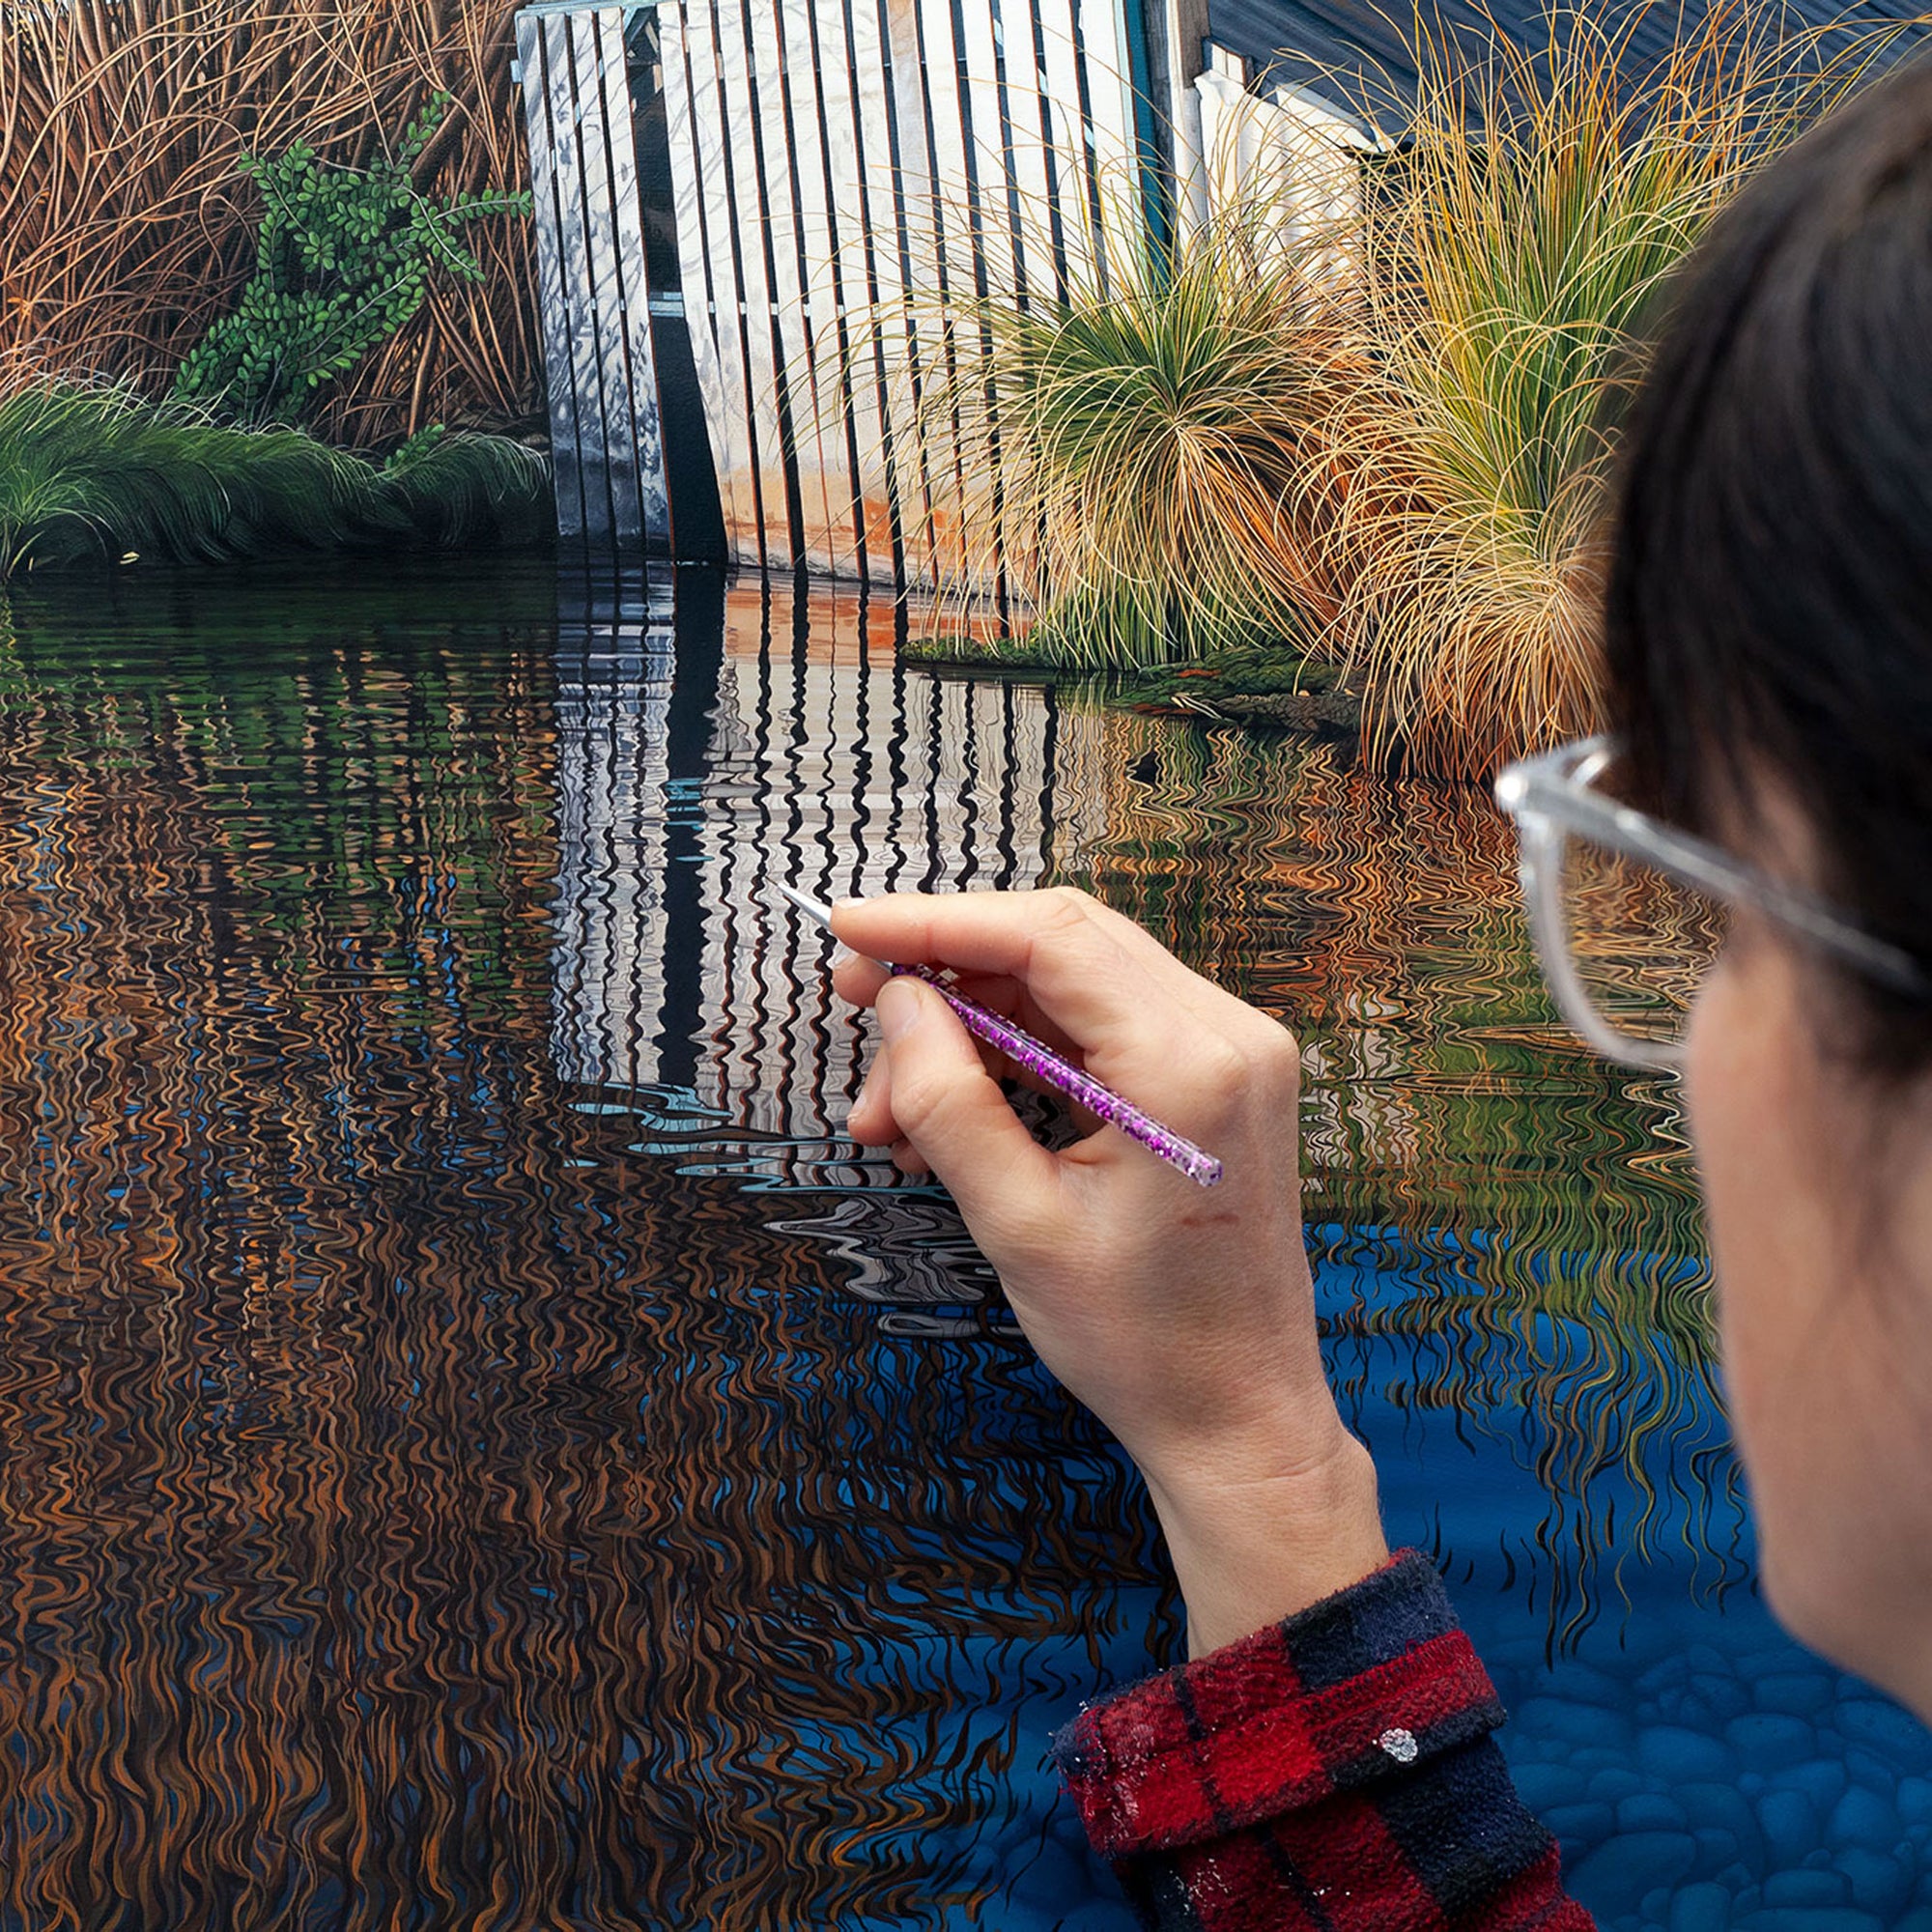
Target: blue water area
(1700,1770)
(479,1446)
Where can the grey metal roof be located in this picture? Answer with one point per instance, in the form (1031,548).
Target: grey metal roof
(1359,55)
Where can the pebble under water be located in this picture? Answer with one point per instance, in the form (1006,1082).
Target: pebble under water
(478,1448)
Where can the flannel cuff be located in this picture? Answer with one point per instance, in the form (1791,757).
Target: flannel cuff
(1367,1686)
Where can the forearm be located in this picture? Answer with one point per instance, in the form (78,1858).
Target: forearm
(1253,1542)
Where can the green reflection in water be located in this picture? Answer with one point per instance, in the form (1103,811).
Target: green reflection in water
(1543,1202)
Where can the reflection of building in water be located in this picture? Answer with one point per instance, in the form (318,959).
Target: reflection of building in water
(794,746)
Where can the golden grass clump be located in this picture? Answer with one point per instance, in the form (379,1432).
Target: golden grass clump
(1514,249)
(1128,456)
(1380,436)
(126,227)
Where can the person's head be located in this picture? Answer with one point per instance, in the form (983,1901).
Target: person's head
(1769,653)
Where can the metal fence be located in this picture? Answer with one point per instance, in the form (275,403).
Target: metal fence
(606,441)
(836,171)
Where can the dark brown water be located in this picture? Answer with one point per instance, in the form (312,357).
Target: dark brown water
(477,1448)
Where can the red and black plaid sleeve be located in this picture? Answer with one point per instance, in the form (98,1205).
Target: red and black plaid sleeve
(1332,1774)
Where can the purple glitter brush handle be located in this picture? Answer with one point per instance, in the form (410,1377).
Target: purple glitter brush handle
(1044,1063)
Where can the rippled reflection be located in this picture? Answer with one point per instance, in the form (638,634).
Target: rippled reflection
(480,1449)
(1534,1206)
(420,1506)
(1530,1212)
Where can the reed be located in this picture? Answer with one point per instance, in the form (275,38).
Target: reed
(127,227)
(100,472)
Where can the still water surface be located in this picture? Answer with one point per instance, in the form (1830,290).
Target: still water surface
(479,1449)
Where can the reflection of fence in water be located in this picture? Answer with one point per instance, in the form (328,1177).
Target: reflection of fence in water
(824,763)
(1524,1236)
(417,1513)
(613,688)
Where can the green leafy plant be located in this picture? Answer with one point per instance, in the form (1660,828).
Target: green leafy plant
(126,230)
(90,472)
(344,259)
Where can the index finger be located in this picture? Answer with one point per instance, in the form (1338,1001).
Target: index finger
(1107,983)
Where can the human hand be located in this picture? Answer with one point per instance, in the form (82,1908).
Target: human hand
(1182,1317)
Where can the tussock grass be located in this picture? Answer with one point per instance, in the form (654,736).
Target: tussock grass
(1513,252)
(1131,456)
(126,226)
(1383,438)
(99,473)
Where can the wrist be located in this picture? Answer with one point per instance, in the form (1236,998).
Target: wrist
(1257,1537)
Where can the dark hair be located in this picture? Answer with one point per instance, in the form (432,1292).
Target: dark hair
(1769,601)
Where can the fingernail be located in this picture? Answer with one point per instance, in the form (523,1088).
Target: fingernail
(841,954)
(897,1009)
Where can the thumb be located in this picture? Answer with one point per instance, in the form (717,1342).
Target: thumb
(951,1109)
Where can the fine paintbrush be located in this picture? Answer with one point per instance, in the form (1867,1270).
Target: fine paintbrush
(1044,1065)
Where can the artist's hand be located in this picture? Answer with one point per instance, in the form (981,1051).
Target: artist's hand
(1182,1316)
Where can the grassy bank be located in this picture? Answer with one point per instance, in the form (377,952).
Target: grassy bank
(1132,463)
(98,473)
(1523,243)
(128,223)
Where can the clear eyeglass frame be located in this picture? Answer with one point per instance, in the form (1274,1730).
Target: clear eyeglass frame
(1552,798)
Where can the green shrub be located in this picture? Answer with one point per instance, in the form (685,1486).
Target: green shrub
(343,260)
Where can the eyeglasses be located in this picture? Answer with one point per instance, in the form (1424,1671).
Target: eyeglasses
(1629,914)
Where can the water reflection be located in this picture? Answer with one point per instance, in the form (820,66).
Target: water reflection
(1535,1207)
(821,762)
(1530,1212)
(480,1448)
(421,1507)
(615,657)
